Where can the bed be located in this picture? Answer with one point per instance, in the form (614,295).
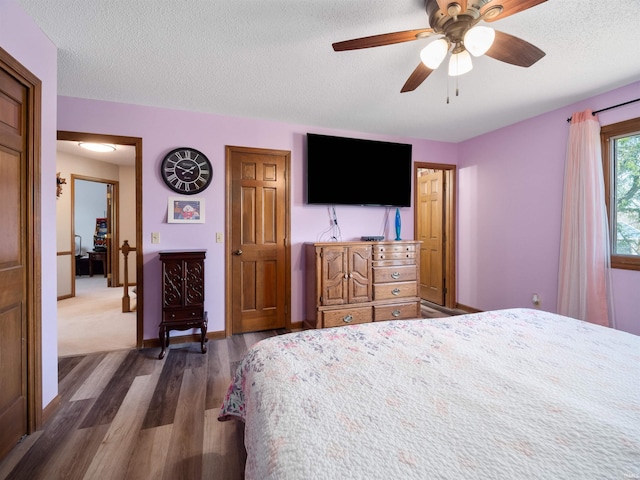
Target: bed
(507,394)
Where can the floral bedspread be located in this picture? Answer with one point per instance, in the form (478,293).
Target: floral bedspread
(510,394)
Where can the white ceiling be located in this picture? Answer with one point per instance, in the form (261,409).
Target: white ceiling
(273,59)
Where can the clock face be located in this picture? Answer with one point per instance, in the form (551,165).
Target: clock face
(186,171)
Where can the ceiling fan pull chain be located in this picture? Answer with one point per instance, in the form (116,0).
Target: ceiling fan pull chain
(447,90)
(457,89)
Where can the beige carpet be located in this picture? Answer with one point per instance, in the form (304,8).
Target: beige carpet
(93,321)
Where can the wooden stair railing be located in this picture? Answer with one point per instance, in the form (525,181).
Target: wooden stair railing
(126,301)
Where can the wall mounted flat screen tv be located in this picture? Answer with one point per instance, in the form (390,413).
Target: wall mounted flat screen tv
(350,171)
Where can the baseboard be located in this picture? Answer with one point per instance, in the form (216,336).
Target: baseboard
(466,308)
(50,409)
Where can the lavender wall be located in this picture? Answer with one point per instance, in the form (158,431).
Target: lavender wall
(510,197)
(163,130)
(24,41)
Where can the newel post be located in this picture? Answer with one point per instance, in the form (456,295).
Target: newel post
(126,304)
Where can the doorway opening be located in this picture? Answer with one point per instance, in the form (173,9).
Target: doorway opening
(435,220)
(91,269)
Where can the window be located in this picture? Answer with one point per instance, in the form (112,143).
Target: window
(621,162)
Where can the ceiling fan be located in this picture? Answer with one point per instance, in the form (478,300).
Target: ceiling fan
(455,23)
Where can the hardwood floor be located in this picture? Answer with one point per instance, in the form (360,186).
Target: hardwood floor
(128,415)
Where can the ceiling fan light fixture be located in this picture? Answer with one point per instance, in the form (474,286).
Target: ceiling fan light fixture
(433,54)
(460,63)
(97,147)
(478,40)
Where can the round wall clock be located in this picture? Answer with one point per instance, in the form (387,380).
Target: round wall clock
(186,170)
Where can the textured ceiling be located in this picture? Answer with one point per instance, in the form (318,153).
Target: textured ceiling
(273,59)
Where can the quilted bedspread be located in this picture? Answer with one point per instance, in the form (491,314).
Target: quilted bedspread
(510,394)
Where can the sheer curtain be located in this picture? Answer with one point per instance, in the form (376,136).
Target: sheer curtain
(583,280)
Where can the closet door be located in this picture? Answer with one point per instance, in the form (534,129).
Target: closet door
(13,260)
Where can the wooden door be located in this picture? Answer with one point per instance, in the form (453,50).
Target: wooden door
(13,262)
(333,273)
(430,226)
(359,273)
(257,248)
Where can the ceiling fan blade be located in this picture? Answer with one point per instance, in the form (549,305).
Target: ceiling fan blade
(514,50)
(444,5)
(383,39)
(509,7)
(418,76)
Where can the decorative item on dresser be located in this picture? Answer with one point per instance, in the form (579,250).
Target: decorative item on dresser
(182,294)
(361,282)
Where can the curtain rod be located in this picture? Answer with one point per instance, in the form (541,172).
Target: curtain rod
(611,107)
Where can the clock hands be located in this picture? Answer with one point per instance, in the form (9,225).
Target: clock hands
(186,170)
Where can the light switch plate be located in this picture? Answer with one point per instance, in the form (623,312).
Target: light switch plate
(155,237)
(219,237)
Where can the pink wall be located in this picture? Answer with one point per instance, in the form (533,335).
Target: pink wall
(163,130)
(23,40)
(510,196)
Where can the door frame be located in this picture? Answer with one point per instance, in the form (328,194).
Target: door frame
(113,259)
(137,143)
(450,222)
(33,198)
(228,331)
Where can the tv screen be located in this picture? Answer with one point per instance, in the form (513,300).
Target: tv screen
(350,171)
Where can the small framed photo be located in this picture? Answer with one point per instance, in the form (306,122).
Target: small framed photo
(181,210)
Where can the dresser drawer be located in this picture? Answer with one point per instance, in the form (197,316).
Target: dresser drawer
(394,254)
(393,248)
(182,314)
(346,316)
(400,311)
(400,273)
(386,291)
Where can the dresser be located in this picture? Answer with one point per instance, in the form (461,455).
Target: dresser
(360,282)
(182,295)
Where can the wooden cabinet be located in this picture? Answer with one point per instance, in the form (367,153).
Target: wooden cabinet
(360,282)
(182,295)
(345,274)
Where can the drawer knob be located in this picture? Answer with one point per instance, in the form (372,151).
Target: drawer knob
(173,315)
(395,291)
(193,314)
(395,275)
(395,313)
(348,319)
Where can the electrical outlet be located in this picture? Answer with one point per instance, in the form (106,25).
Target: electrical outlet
(535,299)
(219,237)
(155,237)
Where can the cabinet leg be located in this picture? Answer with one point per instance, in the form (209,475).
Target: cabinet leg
(203,338)
(164,341)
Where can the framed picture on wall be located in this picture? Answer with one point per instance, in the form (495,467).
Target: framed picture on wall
(181,210)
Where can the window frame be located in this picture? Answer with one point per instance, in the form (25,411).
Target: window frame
(607,133)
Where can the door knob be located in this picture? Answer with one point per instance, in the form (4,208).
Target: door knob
(238,252)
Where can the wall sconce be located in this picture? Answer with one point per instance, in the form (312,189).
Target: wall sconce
(59,183)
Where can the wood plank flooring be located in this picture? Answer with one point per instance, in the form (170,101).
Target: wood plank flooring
(128,415)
